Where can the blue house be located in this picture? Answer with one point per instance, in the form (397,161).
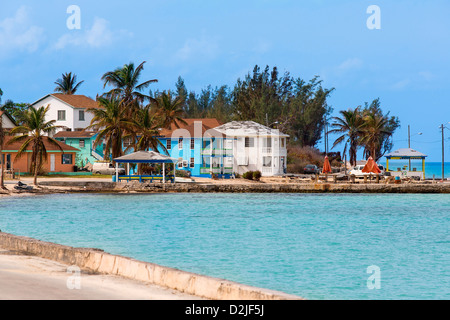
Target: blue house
(201,150)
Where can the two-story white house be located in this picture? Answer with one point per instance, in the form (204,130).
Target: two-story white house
(8,122)
(68,111)
(255,147)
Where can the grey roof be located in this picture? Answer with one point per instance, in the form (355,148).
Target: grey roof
(146,157)
(405,152)
(248,128)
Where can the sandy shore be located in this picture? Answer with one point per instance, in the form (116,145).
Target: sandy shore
(33,278)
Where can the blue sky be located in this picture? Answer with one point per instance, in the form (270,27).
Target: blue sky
(406,63)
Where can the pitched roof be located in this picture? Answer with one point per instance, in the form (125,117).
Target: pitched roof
(406,152)
(248,128)
(146,156)
(76,101)
(2,112)
(48,146)
(75,134)
(194,127)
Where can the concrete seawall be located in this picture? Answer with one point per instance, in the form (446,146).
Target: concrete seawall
(104,263)
(103,186)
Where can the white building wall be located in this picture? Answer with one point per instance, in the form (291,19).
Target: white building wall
(253,156)
(6,122)
(52,114)
(72,114)
(77,123)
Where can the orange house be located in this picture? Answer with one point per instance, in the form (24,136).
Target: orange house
(58,160)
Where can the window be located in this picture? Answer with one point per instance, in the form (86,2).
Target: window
(180,143)
(249,142)
(126,142)
(66,159)
(192,144)
(192,164)
(267,142)
(180,164)
(282,142)
(267,161)
(61,115)
(169,144)
(81,115)
(81,143)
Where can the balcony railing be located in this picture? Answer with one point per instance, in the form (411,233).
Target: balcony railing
(267,150)
(215,170)
(267,170)
(217,152)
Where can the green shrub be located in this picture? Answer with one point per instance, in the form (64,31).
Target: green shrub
(248,175)
(257,175)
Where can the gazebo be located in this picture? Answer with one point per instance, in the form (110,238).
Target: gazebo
(150,157)
(406,154)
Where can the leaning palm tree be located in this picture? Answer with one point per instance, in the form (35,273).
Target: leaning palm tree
(350,126)
(126,86)
(374,130)
(170,110)
(32,133)
(113,125)
(67,84)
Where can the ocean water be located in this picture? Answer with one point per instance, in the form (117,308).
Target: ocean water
(431,168)
(318,246)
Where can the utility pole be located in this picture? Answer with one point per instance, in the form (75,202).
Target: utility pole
(443,151)
(409,145)
(409,136)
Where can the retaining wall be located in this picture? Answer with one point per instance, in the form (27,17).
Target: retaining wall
(252,188)
(105,263)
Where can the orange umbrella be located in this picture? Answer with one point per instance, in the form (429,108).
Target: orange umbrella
(371,167)
(326,166)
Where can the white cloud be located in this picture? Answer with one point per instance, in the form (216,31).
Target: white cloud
(348,65)
(198,48)
(426,75)
(98,36)
(402,84)
(17,33)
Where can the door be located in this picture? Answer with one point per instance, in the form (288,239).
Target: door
(52,162)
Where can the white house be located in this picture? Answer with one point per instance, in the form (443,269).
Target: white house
(7,121)
(255,147)
(69,111)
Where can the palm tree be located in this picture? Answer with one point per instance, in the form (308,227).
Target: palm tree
(147,125)
(114,125)
(350,126)
(170,110)
(126,87)
(374,130)
(67,84)
(2,142)
(32,129)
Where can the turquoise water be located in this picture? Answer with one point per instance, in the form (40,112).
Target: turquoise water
(317,246)
(431,168)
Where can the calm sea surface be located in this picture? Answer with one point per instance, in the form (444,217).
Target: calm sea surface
(431,168)
(316,246)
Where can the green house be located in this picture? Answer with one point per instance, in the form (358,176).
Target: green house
(84,141)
